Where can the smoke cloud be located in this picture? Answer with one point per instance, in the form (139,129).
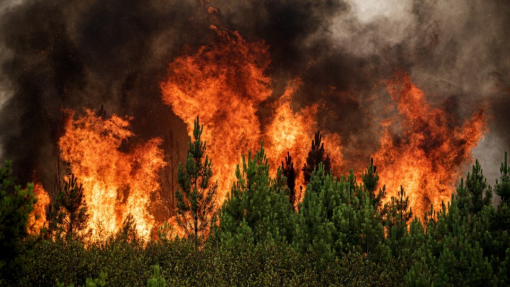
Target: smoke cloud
(84,54)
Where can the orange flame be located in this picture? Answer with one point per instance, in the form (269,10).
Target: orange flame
(115,183)
(293,132)
(426,158)
(224,83)
(37,218)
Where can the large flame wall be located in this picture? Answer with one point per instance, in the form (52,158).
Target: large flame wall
(421,148)
(227,82)
(224,83)
(116,184)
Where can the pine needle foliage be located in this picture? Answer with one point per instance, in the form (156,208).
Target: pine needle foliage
(196,198)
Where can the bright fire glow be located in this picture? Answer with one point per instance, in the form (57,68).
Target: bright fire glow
(224,83)
(115,183)
(37,218)
(426,158)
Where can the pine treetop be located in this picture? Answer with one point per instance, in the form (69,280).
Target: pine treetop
(502,187)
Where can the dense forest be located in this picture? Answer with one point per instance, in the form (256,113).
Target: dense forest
(345,232)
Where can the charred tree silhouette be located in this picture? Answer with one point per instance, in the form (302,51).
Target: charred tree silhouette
(290,173)
(169,173)
(316,155)
(69,211)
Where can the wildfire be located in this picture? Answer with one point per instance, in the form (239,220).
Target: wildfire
(224,83)
(427,155)
(116,184)
(293,131)
(37,218)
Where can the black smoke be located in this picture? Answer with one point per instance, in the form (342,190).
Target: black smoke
(83,54)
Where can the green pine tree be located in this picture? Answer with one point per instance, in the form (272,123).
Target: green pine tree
(337,216)
(502,187)
(316,230)
(481,193)
(398,214)
(371,182)
(474,193)
(463,198)
(451,249)
(15,206)
(196,200)
(257,205)
(503,277)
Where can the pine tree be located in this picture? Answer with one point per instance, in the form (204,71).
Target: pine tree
(398,215)
(463,198)
(502,187)
(496,239)
(157,280)
(290,174)
(503,277)
(257,207)
(454,250)
(68,216)
(481,193)
(316,155)
(316,230)
(15,207)
(474,193)
(337,216)
(196,200)
(400,210)
(370,183)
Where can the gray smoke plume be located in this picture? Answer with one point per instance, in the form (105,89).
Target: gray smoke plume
(59,54)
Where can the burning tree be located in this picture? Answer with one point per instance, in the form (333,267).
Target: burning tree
(69,211)
(316,155)
(197,200)
(290,173)
(169,182)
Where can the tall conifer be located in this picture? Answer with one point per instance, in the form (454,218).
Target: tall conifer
(196,200)
(503,187)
